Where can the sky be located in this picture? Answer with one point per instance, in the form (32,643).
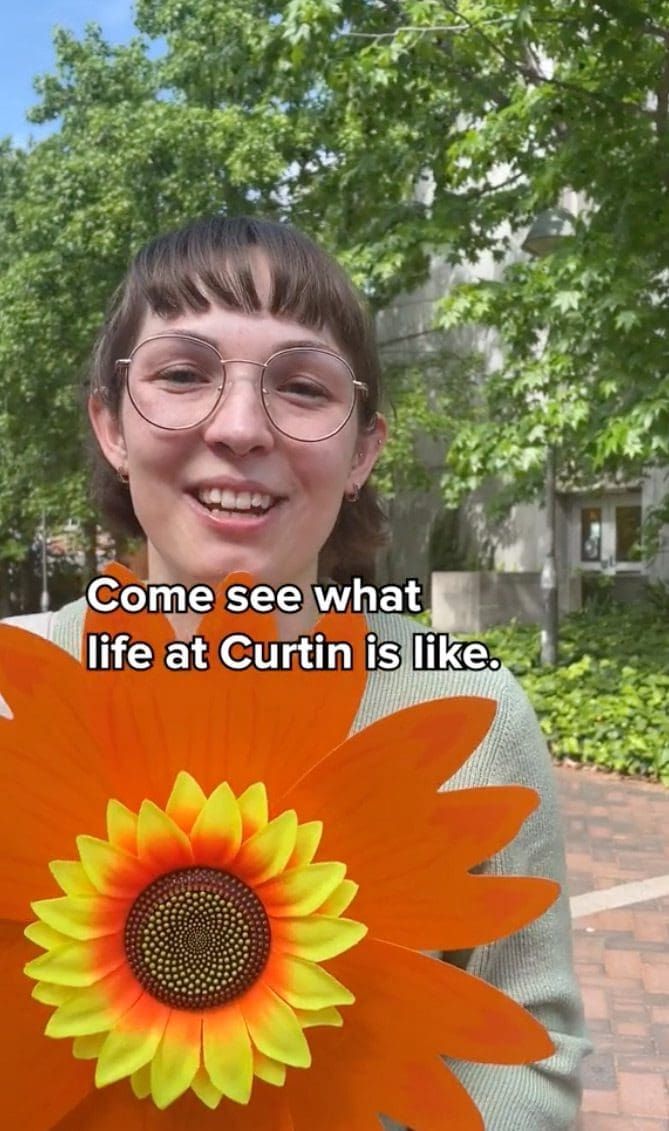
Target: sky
(26,49)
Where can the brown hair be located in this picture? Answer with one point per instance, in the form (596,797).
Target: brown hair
(212,258)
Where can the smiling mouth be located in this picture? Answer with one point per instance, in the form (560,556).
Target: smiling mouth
(228,502)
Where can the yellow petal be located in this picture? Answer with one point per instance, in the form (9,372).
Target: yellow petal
(81,916)
(341,898)
(317,937)
(301,890)
(122,826)
(254,809)
(129,1047)
(267,1069)
(205,1090)
(308,1018)
(49,994)
(308,986)
(217,832)
(306,843)
(227,1052)
(267,852)
(160,841)
(185,801)
(140,1082)
(274,1028)
(73,965)
(95,1009)
(112,871)
(177,1059)
(45,936)
(88,1048)
(71,877)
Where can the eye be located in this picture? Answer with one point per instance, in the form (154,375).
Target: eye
(182,377)
(302,387)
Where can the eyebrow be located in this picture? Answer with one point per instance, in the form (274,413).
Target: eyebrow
(292,343)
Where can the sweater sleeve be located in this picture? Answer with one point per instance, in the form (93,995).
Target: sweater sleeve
(534,966)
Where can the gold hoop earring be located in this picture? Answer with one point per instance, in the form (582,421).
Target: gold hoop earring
(353,495)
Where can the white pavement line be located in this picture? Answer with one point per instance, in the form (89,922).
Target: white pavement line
(621,896)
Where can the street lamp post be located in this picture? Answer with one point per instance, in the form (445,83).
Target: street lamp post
(44,598)
(547,232)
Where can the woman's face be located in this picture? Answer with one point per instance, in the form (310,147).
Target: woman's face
(237,450)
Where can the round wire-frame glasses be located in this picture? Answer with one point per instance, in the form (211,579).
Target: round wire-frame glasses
(122,369)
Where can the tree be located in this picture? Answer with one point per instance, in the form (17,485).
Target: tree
(506,106)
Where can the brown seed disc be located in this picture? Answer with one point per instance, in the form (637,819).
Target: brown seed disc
(197,937)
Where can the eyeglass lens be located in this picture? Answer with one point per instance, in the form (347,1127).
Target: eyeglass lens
(308,394)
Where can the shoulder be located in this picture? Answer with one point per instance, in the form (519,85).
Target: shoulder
(64,627)
(68,626)
(39,623)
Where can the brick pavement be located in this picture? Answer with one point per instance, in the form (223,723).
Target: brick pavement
(617,831)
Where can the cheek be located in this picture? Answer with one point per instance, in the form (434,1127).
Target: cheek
(324,476)
(151,452)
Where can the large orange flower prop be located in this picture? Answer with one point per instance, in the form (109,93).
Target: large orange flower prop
(196,949)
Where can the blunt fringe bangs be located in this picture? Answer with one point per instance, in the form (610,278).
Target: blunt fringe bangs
(212,260)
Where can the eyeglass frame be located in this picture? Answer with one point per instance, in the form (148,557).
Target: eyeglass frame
(122,369)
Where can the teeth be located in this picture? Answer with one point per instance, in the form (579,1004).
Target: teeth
(234,500)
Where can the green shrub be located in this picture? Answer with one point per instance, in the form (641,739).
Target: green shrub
(607,701)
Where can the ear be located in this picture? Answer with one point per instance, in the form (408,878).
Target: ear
(108,431)
(370,444)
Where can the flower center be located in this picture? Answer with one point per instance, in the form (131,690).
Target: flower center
(196,938)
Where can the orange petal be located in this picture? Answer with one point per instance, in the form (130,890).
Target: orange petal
(352,1079)
(436,1008)
(425,911)
(453,830)
(40,1079)
(53,763)
(407,756)
(328,703)
(116,1107)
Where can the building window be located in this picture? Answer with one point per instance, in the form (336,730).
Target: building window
(591,534)
(628,534)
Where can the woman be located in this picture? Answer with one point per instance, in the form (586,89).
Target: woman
(234,398)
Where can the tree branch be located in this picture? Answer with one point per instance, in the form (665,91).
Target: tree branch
(661,114)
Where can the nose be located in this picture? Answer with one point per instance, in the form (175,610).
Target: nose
(240,422)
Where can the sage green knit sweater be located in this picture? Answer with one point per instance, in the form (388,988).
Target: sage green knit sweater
(533,966)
